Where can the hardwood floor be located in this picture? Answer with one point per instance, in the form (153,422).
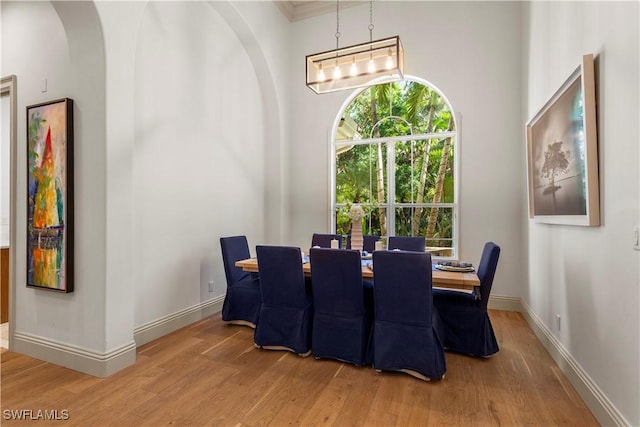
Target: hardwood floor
(210,374)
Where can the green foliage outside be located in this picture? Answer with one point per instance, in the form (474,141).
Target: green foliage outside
(391,110)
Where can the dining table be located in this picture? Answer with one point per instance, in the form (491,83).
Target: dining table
(461,280)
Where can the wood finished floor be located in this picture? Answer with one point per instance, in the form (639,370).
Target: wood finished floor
(210,374)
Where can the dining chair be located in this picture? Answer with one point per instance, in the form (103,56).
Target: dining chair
(406,337)
(324,240)
(343,306)
(466,323)
(286,313)
(368,242)
(406,243)
(242,301)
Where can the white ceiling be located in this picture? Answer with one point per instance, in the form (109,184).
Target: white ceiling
(297,10)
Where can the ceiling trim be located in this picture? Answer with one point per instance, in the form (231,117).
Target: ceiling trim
(299,10)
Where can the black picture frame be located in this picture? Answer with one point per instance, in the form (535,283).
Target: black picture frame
(50,191)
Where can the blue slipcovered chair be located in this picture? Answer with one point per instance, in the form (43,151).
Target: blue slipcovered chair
(467,328)
(368,242)
(407,243)
(286,313)
(405,335)
(324,240)
(242,302)
(343,307)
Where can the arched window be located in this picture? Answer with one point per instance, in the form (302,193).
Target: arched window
(394,153)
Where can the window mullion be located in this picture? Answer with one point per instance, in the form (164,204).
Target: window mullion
(391,189)
(398,211)
(426,136)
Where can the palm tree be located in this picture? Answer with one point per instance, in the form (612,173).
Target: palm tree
(396,109)
(424,105)
(437,196)
(420,99)
(380,94)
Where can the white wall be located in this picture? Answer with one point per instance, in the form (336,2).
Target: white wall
(198,155)
(470,51)
(195,123)
(232,115)
(265,34)
(146,244)
(194,136)
(119,22)
(590,276)
(63,44)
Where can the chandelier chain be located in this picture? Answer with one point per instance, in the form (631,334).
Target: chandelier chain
(370,20)
(354,66)
(337,23)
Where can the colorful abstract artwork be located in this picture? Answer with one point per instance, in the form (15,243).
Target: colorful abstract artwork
(50,195)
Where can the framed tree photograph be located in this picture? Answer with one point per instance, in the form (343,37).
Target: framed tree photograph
(50,195)
(562,154)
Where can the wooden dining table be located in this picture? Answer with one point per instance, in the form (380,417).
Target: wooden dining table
(440,279)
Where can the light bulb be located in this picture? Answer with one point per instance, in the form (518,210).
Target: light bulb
(372,66)
(336,72)
(354,68)
(389,63)
(321,76)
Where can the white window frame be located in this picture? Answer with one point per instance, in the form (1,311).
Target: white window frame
(390,205)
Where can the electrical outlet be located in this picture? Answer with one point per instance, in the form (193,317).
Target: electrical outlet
(558,321)
(210,285)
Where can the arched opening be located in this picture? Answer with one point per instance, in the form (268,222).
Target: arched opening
(394,153)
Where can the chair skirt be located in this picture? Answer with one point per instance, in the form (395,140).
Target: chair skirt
(466,324)
(242,302)
(401,347)
(341,338)
(285,327)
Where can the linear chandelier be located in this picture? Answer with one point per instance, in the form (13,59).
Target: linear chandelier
(355,66)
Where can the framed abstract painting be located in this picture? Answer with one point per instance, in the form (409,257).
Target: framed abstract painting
(50,195)
(562,154)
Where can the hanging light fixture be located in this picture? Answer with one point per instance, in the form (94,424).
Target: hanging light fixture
(358,65)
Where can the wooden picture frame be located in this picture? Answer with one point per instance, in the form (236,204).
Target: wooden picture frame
(50,195)
(562,154)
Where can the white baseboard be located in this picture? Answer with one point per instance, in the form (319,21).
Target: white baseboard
(499,302)
(83,360)
(105,364)
(600,406)
(165,325)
